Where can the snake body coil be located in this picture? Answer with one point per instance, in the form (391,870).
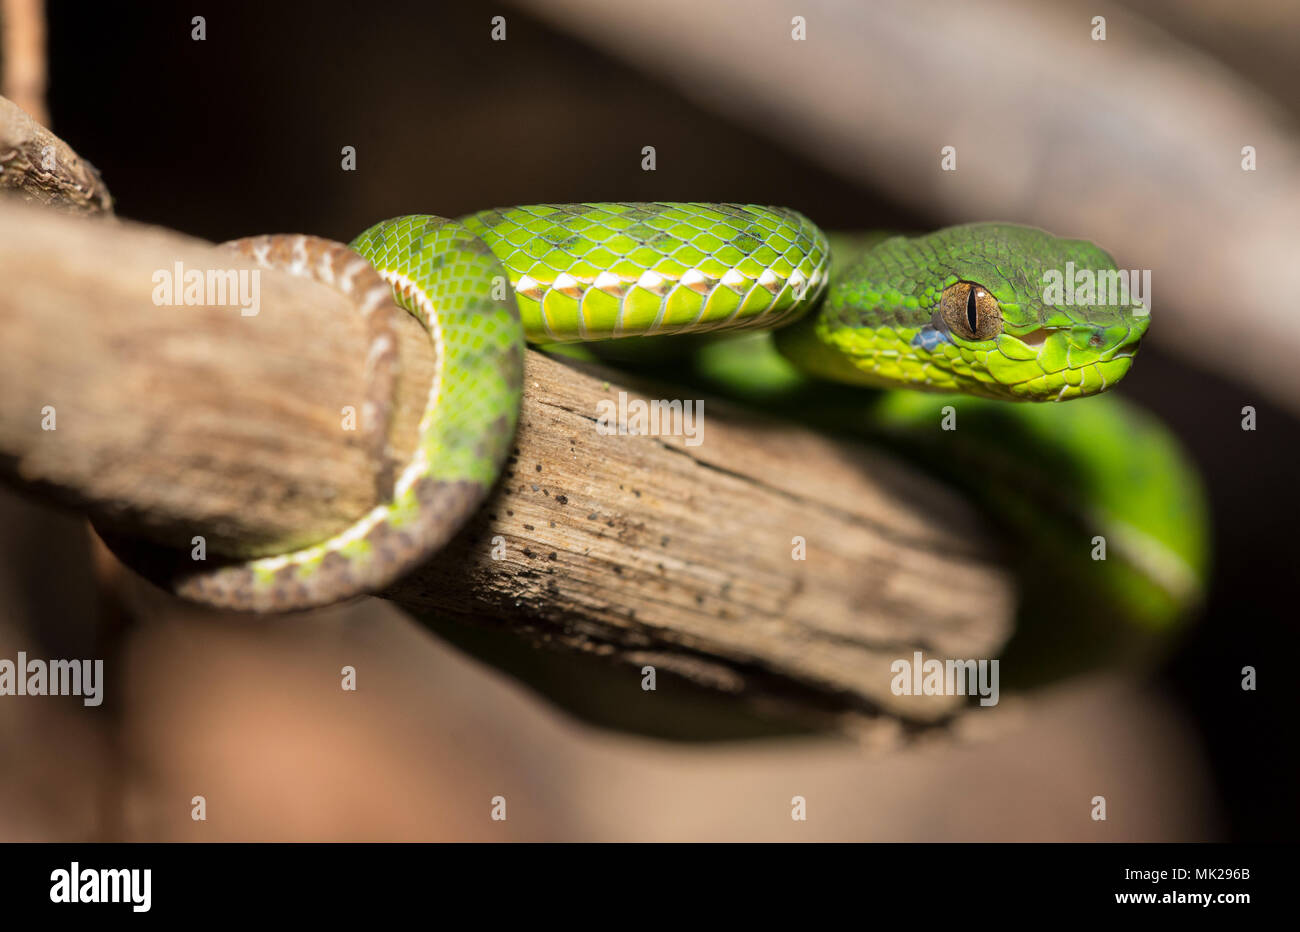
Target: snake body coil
(958,310)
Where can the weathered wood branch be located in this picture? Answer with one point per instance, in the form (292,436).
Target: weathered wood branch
(767,557)
(175,420)
(43,168)
(766,552)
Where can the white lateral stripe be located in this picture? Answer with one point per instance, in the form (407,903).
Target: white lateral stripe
(611,284)
(652,282)
(736,281)
(697,281)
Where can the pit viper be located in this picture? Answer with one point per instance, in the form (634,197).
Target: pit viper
(960,311)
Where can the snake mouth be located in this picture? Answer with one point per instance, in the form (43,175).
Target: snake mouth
(1034,338)
(1077,381)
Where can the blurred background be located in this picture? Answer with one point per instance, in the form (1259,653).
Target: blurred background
(1134,141)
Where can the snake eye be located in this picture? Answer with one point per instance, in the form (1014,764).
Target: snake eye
(970,311)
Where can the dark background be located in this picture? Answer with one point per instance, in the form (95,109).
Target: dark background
(241,134)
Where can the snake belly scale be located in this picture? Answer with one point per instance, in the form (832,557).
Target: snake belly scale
(957,310)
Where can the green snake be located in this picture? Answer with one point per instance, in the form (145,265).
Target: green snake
(960,310)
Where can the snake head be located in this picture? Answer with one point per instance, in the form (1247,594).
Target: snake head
(990,309)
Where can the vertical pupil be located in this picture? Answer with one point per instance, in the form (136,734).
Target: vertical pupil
(970,311)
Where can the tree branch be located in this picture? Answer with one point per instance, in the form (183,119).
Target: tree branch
(170,421)
(649,550)
(43,168)
(22,55)
(765,560)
